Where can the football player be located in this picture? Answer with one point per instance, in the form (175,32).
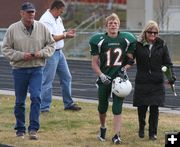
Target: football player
(112,54)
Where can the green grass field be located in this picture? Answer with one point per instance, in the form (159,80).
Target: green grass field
(61,128)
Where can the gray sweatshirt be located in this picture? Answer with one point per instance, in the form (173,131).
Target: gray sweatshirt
(18,40)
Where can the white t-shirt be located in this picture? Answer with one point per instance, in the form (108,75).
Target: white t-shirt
(54,25)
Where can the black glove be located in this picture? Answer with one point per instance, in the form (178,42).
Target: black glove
(105,79)
(172,81)
(123,74)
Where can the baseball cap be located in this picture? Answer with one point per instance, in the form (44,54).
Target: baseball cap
(27,6)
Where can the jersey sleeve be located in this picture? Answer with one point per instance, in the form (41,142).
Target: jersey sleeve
(94,44)
(131,41)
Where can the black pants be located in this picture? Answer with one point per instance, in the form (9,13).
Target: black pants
(153,118)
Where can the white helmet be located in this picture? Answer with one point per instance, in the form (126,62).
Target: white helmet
(121,87)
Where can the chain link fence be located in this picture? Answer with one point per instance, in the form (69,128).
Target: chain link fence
(78,47)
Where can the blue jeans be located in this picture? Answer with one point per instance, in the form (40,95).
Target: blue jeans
(27,79)
(56,64)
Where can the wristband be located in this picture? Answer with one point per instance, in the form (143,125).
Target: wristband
(102,76)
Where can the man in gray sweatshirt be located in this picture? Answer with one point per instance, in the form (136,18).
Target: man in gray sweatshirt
(27,44)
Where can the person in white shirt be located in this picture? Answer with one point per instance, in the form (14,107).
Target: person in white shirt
(57,63)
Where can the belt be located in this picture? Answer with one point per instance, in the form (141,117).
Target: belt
(58,49)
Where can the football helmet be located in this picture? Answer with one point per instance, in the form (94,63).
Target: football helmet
(121,87)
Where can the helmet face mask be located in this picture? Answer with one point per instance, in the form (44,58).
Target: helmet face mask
(121,87)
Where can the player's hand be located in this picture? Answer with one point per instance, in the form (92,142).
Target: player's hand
(123,74)
(105,79)
(172,81)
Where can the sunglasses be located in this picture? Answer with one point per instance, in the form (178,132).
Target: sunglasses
(150,32)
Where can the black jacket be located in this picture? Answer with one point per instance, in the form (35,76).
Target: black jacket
(149,81)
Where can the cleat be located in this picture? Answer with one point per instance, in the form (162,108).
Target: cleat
(102,134)
(116,139)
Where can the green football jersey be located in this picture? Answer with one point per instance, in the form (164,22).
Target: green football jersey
(112,51)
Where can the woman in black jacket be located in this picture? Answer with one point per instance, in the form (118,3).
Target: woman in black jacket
(151,54)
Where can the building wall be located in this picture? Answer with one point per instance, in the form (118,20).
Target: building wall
(135,14)
(165,12)
(10,10)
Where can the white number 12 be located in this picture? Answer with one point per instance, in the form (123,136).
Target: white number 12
(118,54)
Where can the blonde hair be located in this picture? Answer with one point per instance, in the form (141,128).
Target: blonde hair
(113,16)
(151,24)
